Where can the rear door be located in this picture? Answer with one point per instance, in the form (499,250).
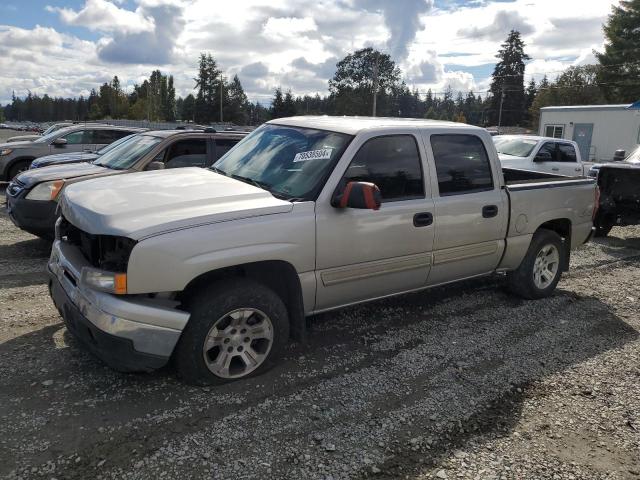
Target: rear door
(470,207)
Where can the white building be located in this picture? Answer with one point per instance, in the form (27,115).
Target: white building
(599,130)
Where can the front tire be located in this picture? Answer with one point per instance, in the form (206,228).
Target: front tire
(237,329)
(540,270)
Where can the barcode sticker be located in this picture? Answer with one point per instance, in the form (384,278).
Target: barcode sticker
(324,154)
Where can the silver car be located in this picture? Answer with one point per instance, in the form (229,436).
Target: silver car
(34,136)
(16,157)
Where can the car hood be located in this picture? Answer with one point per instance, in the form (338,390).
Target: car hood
(72,157)
(510,158)
(14,145)
(23,138)
(59,172)
(144,204)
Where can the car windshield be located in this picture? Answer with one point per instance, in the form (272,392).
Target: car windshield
(127,154)
(516,147)
(116,144)
(47,138)
(53,128)
(634,157)
(289,162)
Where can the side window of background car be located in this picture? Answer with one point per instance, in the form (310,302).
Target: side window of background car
(75,138)
(566,153)
(550,148)
(187,153)
(223,145)
(393,164)
(462,164)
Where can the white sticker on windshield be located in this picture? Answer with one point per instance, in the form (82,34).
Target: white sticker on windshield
(324,154)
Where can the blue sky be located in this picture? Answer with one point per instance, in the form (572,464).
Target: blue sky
(67,47)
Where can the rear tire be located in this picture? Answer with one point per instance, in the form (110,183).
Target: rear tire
(237,329)
(18,167)
(540,270)
(603,225)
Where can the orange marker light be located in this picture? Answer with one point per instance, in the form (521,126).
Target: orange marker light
(120,284)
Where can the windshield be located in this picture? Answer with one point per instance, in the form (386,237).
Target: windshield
(516,147)
(290,162)
(127,154)
(48,137)
(111,146)
(54,127)
(634,157)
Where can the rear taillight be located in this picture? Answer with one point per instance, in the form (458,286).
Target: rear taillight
(596,203)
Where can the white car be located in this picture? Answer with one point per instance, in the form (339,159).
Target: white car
(540,154)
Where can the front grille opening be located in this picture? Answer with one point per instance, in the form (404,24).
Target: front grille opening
(106,252)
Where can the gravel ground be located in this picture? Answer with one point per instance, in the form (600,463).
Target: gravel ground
(465,381)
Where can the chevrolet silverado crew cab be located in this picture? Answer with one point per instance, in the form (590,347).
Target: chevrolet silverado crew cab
(541,154)
(216,267)
(32,196)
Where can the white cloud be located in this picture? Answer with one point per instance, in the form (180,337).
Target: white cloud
(293,43)
(105,16)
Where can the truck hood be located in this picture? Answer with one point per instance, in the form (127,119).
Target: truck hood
(59,172)
(510,158)
(144,204)
(72,157)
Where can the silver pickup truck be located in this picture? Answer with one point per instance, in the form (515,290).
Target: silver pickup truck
(217,267)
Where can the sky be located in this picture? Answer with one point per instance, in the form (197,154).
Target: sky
(67,47)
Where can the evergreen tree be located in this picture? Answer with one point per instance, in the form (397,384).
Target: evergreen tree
(620,62)
(207,84)
(507,85)
(277,104)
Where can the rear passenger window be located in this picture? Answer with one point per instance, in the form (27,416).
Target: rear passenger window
(223,145)
(462,164)
(566,153)
(392,163)
(187,153)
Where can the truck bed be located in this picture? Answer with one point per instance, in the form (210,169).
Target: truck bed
(517,179)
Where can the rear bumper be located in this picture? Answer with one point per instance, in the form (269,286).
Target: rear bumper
(34,216)
(127,334)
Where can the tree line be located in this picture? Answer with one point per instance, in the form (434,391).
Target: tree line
(368,82)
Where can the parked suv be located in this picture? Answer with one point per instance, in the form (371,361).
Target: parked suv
(32,196)
(16,157)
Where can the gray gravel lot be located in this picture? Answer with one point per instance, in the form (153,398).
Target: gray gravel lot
(465,381)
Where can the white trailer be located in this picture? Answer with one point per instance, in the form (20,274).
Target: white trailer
(599,130)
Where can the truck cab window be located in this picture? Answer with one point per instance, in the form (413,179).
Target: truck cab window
(566,153)
(187,153)
(393,164)
(462,164)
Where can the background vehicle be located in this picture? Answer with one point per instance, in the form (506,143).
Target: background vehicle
(541,154)
(30,138)
(77,157)
(619,185)
(632,159)
(32,195)
(16,157)
(216,267)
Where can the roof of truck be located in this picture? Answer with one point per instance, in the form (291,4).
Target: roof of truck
(353,125)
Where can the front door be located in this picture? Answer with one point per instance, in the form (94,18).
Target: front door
(364,254)
(582,133)
(470,209)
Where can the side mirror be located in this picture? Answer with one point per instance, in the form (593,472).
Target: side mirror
(155,166)
(543,157)
(363,195)
(59,142)
(619,155)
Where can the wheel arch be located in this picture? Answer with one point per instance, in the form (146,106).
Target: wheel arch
(279,275)
(563,227)
(10,164)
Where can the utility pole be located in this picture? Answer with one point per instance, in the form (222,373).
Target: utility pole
(500,113)
(375,86)
(221,86)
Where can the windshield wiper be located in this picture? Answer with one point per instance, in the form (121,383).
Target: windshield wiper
(217,170)
(255,183)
